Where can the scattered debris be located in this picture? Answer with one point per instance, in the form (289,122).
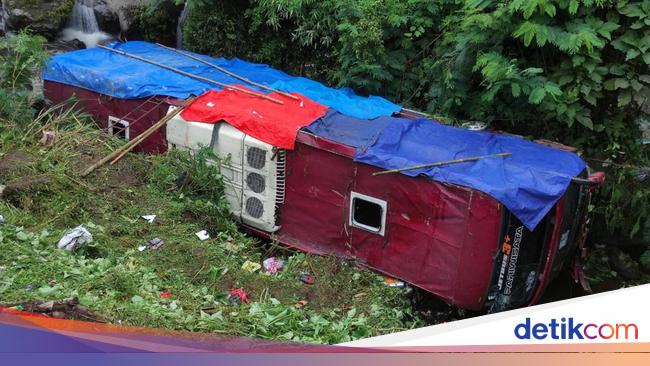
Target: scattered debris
(300,304)
(48,138)
(155,243)
(149,218)
(203,235)
(250,266)
(29,288)
(642,175)
(152,244)
(166,294)
(392,282)
(237,296)
(231,246)
(273,265)
(2,220)
(305,277)
(474,125)
(75,238)
(61,309)
(210,310)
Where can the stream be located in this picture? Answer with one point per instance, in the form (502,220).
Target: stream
(83,25)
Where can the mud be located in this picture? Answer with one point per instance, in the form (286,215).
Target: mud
(14,162)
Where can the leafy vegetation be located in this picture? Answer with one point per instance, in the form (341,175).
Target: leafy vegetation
(574,71)
(19,57)
(45,197)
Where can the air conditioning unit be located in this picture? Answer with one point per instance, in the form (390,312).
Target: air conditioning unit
(253,171)
(263,183)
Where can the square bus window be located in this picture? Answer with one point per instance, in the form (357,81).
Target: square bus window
(368,213)
(118,127)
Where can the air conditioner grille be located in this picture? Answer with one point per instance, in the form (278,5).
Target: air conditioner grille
(256,157)
(256,182)
(254,207)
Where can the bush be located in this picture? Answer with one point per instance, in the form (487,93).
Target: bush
(573,71)
(20,58)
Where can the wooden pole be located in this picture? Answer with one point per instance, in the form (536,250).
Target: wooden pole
(228,72)
(448,162)
(193,76)
(118,153)
(141,137)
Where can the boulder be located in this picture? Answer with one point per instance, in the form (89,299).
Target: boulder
(107,17)
(44,17)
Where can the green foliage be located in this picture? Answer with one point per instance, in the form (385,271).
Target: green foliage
(574,71)
(20,56)
(155,22)
(374,46)
(201,188)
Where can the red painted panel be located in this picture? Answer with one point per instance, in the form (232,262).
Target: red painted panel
(101,107)
(316,197)
(438,237)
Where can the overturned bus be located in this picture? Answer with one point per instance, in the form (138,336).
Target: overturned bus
(301,168)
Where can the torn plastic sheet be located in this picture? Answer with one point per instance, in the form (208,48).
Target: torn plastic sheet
(149,218)
(203,235)
(75,238)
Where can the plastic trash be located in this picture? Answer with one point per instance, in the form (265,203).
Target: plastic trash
(75,238)
(391,282)
(48,138)
(2,220)
(149,218)
(300,304)
(203,235)
(305,277)
(273,265)
(155,243)
(166,294)
(250,266)
(237,296)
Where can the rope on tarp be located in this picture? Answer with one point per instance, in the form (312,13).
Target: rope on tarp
(228,72)
(188,74)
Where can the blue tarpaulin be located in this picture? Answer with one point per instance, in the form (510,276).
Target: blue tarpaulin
(528,183)
(119,76)
(353,132)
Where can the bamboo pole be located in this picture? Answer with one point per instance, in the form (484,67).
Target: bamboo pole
(193,76)
(228,72)
(448,162)
(118,153)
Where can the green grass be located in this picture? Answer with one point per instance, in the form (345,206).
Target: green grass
(123,285)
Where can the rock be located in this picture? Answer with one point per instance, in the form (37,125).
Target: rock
(64,46)
(107,18)
(19,19)
(44,17)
